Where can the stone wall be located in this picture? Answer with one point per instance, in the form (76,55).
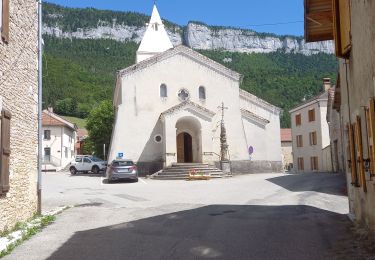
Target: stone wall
(18,94)
(357,78)
(250,167)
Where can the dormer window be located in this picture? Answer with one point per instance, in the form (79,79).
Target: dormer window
(156,26)
(202,93)
(163,91)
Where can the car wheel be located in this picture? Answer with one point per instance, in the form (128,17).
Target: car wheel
(136,180)
(95,169)
(73,171)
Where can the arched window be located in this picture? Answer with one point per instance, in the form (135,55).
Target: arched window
(163,91)
(202,93)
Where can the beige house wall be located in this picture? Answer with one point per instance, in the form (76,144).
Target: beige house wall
(18,94)
(320,125)
(357,76)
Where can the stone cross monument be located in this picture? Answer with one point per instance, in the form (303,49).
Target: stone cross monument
(224,154)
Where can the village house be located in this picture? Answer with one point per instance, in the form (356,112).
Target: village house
(18,111)
(59,140)
(335,129)
(310,133)
(173,98)
(350,24)
(287,148)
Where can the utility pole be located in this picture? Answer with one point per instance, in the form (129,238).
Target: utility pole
(40,79)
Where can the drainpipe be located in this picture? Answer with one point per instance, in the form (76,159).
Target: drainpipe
(40,52)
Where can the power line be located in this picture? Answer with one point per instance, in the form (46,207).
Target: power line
(272,24)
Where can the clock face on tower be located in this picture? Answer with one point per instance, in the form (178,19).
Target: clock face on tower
(183,95)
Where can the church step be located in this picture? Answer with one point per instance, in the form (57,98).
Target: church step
(189,170)
(187,173)
(181,177)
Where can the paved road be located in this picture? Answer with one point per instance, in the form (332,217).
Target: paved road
(261,216)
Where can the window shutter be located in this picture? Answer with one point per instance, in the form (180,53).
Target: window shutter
(371,133)
(342,27)
(4,151)
(353,165)
(361,166)
(5,21)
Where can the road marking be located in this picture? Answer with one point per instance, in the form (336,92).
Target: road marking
(143,181)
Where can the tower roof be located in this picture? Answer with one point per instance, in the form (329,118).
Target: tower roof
(155,40)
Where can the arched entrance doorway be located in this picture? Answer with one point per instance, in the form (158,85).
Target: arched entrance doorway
(184,148)
(188,140)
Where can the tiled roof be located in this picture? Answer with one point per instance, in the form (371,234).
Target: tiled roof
(52,119)
(286,135)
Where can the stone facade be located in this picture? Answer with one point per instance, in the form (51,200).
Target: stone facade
(18,94)
(357,79)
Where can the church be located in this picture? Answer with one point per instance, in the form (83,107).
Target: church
(169,107)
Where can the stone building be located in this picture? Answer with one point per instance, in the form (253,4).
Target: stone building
(350,24)
(287,148)
(167,110)
(335,130)
(19,107)
(310,133)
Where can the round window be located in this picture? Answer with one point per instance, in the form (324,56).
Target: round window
(158,138)
(183,95)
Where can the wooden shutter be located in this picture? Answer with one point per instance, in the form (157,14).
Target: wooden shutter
(5,21)
(371,133)
(342,27)
(361,165)
(4,151)
(353,165)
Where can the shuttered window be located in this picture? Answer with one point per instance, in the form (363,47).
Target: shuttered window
(352,161)
(4,20)
(299,141)
(359,147)
(4,151)
(301,165)
(342,24)
(298,119)
(311,115)
(371,133)
(314,163)
(313,138)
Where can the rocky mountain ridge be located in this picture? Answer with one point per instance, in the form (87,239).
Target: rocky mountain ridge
(195,35)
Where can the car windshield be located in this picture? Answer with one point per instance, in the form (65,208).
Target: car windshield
(122,163)
(95,159)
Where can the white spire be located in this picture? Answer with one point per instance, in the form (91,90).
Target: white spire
(155,40)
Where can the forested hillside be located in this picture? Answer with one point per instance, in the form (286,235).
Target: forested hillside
(80,73)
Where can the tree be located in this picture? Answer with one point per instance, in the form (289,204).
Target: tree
(99,126)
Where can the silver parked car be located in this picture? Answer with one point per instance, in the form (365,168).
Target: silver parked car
(122,170)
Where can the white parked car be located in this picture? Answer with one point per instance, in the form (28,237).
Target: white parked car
(86,163)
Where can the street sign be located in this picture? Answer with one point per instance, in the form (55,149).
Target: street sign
(251,150)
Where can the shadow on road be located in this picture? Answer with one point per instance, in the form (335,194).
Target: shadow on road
(328,183)
(217,232)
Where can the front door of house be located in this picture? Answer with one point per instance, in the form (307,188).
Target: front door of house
(184,148)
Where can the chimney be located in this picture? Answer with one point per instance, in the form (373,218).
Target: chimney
(326,84)
(50,109)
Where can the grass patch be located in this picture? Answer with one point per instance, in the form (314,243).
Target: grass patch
(80,122)
(27,229)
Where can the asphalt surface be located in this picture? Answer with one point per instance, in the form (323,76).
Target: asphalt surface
(261,216)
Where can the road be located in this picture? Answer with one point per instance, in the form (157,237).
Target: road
(260,216)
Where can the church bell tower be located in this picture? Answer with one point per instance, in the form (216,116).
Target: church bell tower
(155,40)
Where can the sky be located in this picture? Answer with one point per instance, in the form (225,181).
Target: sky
(274,16)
